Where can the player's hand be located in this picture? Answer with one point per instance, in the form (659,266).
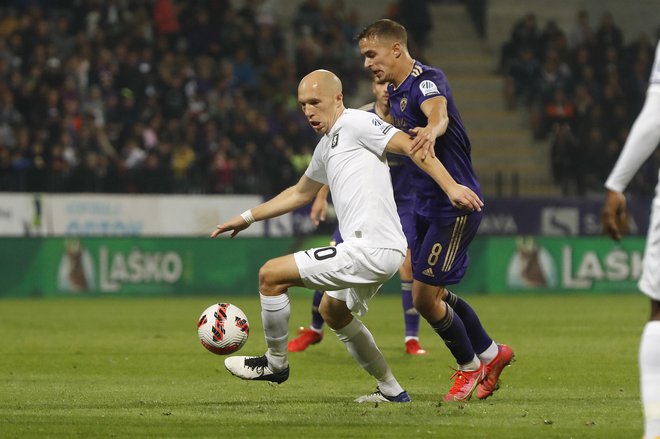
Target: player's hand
(424,139)
(235,224)
(462,197)
(615,215)
(319,210)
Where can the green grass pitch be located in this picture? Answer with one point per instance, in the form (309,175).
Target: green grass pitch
(134,368)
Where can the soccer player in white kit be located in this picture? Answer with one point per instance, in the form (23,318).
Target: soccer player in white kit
(642,140)
(350,158)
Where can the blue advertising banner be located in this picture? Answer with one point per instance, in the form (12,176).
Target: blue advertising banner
(556,216)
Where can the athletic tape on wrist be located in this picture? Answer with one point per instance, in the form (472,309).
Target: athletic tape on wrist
(247,216)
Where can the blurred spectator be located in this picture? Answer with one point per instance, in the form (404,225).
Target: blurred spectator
(221,174)
(564,150)
(525,34)
(608,33)
(162,95)
(582,94)
(165,17)
(182,162)
(521,79)
(155,177)
(559,110)
(582,34)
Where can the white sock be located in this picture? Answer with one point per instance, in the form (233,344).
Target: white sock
(362,346)
(275,312)
(489,354)
(471,366)
(649,366)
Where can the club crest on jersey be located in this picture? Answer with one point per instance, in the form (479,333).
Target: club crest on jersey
(428,88)
(403,104)
(335,140)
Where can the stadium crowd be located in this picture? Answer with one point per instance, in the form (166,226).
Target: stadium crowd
(158,96)
(582,89)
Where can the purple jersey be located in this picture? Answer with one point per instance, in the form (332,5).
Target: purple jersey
(452,148)
(401,173)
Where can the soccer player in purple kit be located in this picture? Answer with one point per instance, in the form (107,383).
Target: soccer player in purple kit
(421,104)
(400,173)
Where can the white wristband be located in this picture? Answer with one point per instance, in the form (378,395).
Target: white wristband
(247,216)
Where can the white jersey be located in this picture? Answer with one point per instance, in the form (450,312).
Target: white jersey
(351,160)
(642,140)
(644,135)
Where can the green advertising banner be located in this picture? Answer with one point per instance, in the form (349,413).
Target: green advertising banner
(35,267)
(129,266)
(533,264)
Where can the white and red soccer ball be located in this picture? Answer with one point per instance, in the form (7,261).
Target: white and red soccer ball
(223,328)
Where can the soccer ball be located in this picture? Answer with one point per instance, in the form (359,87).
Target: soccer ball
(223,328)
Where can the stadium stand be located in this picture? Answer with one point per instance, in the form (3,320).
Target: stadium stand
(161,96)
(167,96)
(582,90)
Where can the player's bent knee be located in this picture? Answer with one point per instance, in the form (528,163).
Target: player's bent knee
(429,306)
(277,275)
(268,282)
(335,313)
(422,308)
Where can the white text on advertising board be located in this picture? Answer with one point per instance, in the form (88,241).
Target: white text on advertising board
(615,266)
(137,267)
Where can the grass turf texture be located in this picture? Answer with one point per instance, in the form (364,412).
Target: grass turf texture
(134,368)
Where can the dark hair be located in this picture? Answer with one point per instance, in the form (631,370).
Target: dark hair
(385,28)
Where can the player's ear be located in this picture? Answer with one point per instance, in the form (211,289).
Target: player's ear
(396,49)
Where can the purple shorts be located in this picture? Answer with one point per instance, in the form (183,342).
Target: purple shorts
(440,253)
(336,237)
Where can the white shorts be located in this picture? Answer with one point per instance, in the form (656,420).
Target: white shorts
(649,283)
(348,272)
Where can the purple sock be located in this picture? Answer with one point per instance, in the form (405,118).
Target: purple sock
(475,331)
(410,314)
(453,333)
(317,320)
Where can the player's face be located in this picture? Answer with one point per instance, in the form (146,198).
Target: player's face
(319,106)
(379,57)
(380,92)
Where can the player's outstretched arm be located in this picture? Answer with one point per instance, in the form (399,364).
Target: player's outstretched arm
(289,199)
(461,197)
(615,215)
(435,110)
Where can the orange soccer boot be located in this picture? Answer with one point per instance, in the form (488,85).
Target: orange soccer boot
(464,384)
(491,383)
(305,338)
(414,348)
